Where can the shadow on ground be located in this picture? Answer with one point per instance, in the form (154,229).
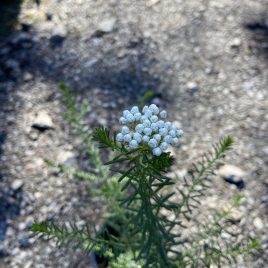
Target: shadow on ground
(126,77)
(258,29)
(10,10)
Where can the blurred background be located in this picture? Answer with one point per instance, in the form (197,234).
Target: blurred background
(206,63)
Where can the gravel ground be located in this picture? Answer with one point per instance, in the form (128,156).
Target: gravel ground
(206,62)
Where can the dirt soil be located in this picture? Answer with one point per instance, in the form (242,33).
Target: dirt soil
(207,64)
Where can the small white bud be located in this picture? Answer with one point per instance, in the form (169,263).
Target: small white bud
(175,142)
(173,127)
(147,123)
(145,108)
(143,118)
(154,118)
(157,151)
(122,120)
(173,133)
(137,116)
(130,118)
(139,128)
(147,131)
(127,138)
(152,106)
(163,114)
(148,113)
(125,130)
(163,146)
(152,143)
(168,125)
(161,123)
(133,144)
(168,139)
(125,113)
(145,138)
(180,132)
(154,109)
(157,137)
(119,137)
(134,110)
(163,131)
(154,126)
(137,137)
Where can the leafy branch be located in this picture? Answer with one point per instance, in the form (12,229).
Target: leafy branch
(74,116)
(63,235)
(197,180)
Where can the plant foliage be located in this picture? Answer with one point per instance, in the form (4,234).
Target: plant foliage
(146,209)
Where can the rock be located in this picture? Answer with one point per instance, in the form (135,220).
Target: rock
(233,175)
(22,226)
(67,158)
(265,150)
(17,184)
(235,216)
(33,135)
(102,121)
(106,26)
(152,3)
(59,33)
(28,77)
(90,63)
(236,42)
(257,222)
(42,121)
(28,264)
(192,86)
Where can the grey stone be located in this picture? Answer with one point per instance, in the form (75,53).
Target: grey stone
(227,171)
(22,226)
(152,3)
(257,222)
(265,150)
(192,86)
(232,174)
(17,184)
(236,42)
(42,121)
(28,77)
(107,25)
(102,121)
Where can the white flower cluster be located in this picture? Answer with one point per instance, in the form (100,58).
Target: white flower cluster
(149,128)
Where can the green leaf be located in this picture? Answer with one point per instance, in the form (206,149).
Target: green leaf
(102,135)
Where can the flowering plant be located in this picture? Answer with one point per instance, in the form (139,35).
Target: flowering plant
(148,210)
(147,129)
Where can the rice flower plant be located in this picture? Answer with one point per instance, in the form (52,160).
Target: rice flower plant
(146,226)
(148,128)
